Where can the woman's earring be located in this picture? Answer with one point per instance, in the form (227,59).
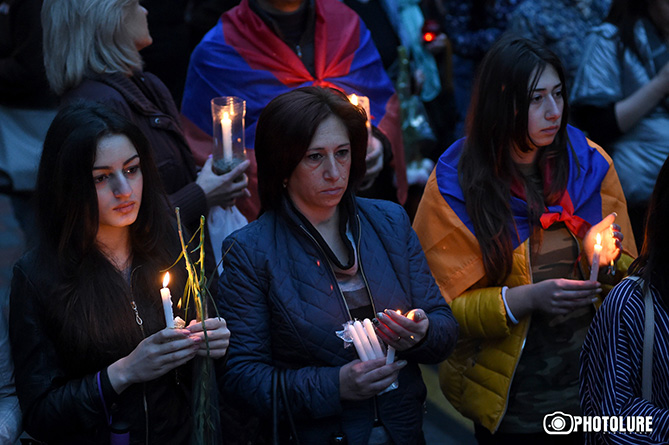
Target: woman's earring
(285,183)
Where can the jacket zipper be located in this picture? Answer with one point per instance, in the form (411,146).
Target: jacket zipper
(362,271)
(334,277)
(140,323)
(340,293)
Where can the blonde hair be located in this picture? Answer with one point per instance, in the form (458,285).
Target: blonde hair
(86,37)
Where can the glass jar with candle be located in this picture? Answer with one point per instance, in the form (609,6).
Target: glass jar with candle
(228,113)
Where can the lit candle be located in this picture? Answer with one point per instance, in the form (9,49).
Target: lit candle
(357,343)
(167,301)
(362,335)
(226,125)
(372,338)
(363,101)
(594,268)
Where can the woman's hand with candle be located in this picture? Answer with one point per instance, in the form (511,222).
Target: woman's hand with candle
(361,380)
(222,190)
(399,331)
(218,336)
(153,357)
(611,238)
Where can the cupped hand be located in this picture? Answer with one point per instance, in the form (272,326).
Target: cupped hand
(612,240)
(362,380)
(153,357)
(223,190)
(218,336)
(399,331)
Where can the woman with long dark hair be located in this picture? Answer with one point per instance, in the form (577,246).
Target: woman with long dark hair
(87,325)
(509,222)
(92,52)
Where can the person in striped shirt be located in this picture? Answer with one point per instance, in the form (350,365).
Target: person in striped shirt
(612,355)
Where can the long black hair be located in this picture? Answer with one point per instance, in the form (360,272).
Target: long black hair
(285,129)
(497,123)
(652,262)
(89,299)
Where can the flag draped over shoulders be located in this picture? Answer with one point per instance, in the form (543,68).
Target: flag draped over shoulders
(241,56)
(447,233)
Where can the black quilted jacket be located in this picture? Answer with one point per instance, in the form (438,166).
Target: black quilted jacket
(282,304)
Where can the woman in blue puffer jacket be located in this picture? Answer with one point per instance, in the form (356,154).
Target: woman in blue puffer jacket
(317,258)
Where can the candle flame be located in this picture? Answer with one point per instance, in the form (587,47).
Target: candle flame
(226,117)
(599,239)
(166,279)
(179,303)
(354,99)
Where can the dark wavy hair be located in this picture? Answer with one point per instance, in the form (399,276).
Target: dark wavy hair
(496,123)
(652,260)
(88,292)
(285,129)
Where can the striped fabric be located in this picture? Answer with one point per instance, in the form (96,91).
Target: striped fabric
(611,365)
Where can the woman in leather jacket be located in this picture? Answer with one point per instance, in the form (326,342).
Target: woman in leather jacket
(87,326)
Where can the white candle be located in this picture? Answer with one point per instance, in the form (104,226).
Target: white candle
(594,268)
(391,355)
(226,125)
(357,343)
(363,101)
(372,338)
(366,345)
(167,301)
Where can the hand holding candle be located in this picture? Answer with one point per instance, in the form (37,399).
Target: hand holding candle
(399,331)
(603,243)
(167,301)
(364,338)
